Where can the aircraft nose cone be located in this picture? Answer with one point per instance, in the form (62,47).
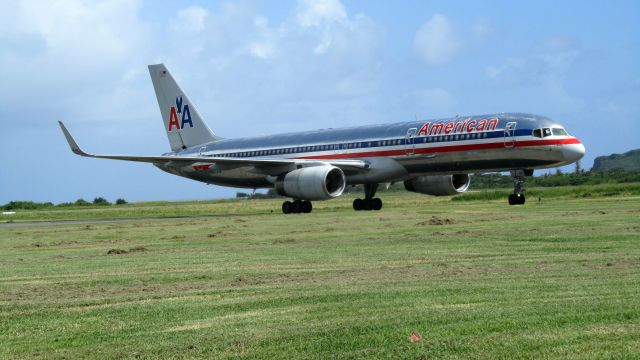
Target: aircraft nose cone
(573,152)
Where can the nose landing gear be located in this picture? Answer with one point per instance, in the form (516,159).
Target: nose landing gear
(519,177)
(369,202)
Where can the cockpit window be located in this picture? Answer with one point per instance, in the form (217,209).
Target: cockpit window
(559,131)
(546,132)
(537,133)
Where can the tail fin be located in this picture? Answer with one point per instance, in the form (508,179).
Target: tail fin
(182,121)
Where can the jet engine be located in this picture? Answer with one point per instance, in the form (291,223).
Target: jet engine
(439,185)
(312,183)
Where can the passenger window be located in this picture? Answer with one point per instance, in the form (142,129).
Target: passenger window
(537,133)
(546,132)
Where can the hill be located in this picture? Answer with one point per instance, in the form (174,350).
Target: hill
(628,161)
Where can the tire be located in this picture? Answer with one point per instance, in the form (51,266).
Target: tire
(296,207)
(377,204)
(286,207)
(357,204)
(521,199)
(512,199)
(367,204)
(306,207)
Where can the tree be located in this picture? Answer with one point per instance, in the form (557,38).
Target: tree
(121,201)
(100,201)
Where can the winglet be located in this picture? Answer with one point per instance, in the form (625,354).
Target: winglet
(72,143)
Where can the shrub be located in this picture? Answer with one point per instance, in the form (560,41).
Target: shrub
(100,201)
(81,202)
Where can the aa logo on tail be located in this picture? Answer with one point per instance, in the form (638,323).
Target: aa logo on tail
(179,109)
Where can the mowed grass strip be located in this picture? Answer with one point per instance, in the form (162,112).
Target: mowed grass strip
(556,278)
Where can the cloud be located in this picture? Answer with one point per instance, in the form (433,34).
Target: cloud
(265,46)
(481,29)
(546,68)
(436,42)
(76,52)
(315,13)
(76,28)
(191,19)
(328,21)
(552,61)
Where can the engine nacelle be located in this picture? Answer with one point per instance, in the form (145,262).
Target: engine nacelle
(312,183)
(439,185)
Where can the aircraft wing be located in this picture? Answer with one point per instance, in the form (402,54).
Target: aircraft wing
(352,164)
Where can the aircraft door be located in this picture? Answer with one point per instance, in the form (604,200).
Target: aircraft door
(510,134)
(410,143)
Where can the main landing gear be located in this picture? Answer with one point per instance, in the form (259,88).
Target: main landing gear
(296,207)
(369,202)
(519,177)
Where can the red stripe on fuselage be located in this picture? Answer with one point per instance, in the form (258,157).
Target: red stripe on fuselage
(441,149)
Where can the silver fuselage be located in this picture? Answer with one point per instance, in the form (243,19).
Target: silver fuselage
(397,151)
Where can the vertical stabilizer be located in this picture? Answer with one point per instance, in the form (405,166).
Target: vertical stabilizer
(183,123)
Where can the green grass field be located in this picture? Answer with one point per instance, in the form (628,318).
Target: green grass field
(559,278)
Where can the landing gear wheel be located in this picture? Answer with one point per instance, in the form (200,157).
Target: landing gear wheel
(377,204)
(516,199)
(286,207)
(369,202)
(296,207)
(306,207)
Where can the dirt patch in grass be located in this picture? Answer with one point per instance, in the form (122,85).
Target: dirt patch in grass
(123,251)
(220,234)
(138,249)
(283,241)
(436,220)
(116,252)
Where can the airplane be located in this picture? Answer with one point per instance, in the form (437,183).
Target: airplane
(434,157)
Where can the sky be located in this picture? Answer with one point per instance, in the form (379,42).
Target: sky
(264,67)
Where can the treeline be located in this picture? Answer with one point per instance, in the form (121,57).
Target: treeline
(270,194)
(31,205)
(615,176)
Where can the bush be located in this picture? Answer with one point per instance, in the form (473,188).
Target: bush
(121,201)
(81,202)
(100,201)
(26,205)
